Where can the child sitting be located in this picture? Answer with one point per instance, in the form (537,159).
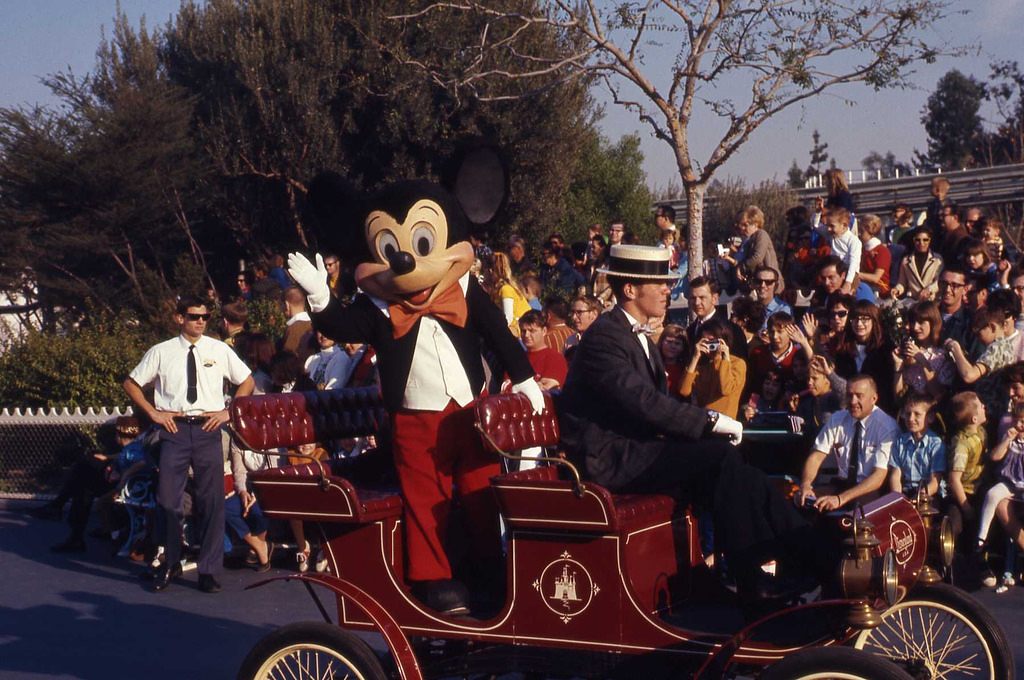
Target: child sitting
(988,326)
(918,454)
(1009,450)
(965,458)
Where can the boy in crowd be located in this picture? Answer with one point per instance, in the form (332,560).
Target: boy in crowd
(918,455)
(997,354)
(965,453)
(549,366)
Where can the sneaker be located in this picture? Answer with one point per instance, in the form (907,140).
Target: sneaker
(1006,583)
(302,557)
(988,579)
(320,564)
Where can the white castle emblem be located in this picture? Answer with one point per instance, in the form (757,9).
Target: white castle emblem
(565,587)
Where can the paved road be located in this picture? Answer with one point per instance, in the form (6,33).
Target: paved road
(89,616)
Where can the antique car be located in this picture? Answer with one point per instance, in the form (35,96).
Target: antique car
(597,584)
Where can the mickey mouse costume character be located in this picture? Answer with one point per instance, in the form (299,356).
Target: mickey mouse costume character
(428,321)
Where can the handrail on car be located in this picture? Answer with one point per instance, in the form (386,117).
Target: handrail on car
(578,488)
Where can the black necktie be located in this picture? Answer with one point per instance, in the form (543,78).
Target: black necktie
(190,370)
(851,475)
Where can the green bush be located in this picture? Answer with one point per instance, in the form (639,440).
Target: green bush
(80,367)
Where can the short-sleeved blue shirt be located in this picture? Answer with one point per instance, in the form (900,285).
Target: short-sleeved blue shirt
(917,460)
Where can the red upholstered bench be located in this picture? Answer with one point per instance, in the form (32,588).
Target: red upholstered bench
(311,491)
(540,498)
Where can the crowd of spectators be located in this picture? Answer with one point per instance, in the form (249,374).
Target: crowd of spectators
(893,345)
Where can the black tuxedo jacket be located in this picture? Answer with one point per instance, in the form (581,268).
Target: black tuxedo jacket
(485,326)
(614,413)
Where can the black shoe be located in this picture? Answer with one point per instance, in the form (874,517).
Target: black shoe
(265,566)
(69,546)
(208,584)
(446,596)
(48,511)
(164,576)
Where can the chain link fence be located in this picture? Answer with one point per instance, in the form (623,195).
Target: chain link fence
(37,447)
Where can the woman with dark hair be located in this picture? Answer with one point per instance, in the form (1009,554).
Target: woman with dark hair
(749,315)
(256,350)
(864,349)
(826,334)
(714,378)
(922,365)
(672,345)
(597,281)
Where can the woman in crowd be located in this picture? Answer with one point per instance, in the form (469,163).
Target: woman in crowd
(864,349)
(672,345)
(714,378)
(749,315)
(330,367)
(598,282)
(826,334)
(922,365)
(256,350)
(839,195)
(507,292)
(875,261)
(757,249)
(919,271)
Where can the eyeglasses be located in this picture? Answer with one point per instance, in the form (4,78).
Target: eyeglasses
(839,313)
(861,318)
(332,263)
(766,282)
(579,311)
(951,284)
(198,317)
(1018,288)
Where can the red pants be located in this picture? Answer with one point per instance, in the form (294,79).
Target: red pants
(432,449)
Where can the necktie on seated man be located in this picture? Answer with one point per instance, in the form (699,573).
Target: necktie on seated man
(192,395)
(858,434)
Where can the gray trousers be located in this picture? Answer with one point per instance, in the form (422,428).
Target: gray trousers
(190,446)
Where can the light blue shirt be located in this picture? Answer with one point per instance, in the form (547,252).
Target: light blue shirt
(918,460)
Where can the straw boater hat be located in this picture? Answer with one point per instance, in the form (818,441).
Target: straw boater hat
(639,262)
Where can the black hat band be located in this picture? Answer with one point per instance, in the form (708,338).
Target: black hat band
(624,266)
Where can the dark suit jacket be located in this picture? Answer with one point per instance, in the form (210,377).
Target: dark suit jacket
(485,326)
(614,412)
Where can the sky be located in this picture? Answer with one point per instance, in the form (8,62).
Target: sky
(42,37)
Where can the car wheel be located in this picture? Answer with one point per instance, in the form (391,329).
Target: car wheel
(941,632)
(308,651)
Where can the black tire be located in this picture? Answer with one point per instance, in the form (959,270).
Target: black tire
(311,650)
(981,650)
(840,663)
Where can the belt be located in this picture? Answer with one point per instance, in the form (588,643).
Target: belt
(191,420)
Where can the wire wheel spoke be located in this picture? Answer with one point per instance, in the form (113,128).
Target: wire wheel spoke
(937,638)
(309,663)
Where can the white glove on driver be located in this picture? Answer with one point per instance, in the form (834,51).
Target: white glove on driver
(532,391)
(729,426)
(312,279)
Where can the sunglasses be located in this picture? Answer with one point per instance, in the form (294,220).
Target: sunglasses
(839,314)
(766,282)
(198,317)
(951,284)
(922,240)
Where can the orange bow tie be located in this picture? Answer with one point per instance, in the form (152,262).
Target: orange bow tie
(449,305)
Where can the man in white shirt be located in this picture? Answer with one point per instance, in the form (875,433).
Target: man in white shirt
(188,373)
(859,439)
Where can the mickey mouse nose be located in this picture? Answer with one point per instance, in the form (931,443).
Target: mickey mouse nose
(402,262)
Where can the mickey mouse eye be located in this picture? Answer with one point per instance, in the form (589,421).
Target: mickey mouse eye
(387,244)
(423,239)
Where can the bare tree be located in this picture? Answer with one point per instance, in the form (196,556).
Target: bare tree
(776,53)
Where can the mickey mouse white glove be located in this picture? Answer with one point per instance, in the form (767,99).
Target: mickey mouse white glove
(730,427)
(312,279)
(532,391)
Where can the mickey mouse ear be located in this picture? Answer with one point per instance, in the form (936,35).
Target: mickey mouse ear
(481,184)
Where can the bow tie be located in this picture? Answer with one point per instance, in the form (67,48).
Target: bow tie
(449,306)
(644,328)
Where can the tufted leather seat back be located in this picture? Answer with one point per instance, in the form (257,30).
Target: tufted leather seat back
(271,421)
(511,423)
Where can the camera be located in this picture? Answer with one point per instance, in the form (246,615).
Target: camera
(722,250)
(713,345)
